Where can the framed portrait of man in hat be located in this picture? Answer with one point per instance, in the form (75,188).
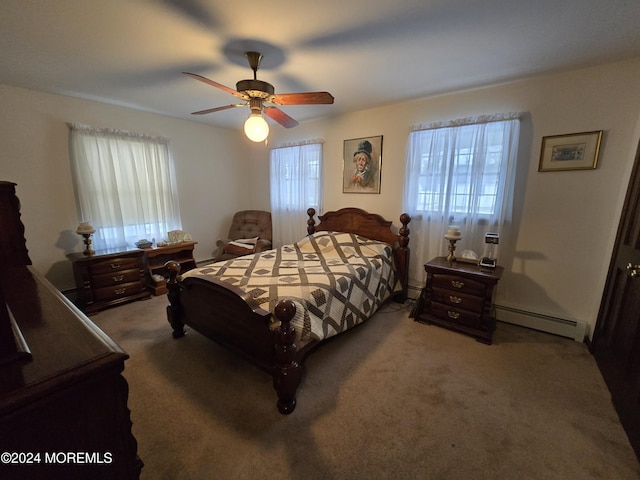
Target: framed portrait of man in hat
(362,167)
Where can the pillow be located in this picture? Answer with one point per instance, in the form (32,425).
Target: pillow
(239,248)
(249,241)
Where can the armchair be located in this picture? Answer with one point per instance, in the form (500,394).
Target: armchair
(246,224)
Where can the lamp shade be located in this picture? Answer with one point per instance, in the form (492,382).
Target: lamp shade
(256,128)
(85,228)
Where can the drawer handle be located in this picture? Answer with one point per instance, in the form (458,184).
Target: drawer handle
(115,265)
(118,278)
(453,315)
(456,300)
(119,291)
(457,284)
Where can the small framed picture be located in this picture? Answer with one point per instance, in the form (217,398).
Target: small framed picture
(574,151)
(362,167)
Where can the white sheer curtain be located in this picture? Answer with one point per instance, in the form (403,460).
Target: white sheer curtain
(459,173)
(125,185)
(296,185)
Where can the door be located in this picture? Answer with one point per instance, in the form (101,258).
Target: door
(616,339)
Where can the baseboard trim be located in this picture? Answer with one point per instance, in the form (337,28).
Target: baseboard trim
(578,331)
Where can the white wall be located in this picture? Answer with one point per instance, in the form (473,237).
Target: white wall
(34,137)
(556,263)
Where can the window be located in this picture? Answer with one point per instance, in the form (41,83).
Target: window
(432,195)
(461,173)
(125,185)
(296,185)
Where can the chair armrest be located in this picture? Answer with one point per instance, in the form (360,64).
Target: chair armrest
(222,242)
(263,244)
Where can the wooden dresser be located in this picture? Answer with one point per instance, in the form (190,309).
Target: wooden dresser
(460,297)
(109,278)
(63,399)
(69,397)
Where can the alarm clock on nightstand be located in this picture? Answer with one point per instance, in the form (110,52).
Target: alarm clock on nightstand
(491,241)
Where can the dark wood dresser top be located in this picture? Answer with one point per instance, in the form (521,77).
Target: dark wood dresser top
(64,343)
(462,268)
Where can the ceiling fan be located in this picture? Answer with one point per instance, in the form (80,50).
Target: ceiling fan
(256,93)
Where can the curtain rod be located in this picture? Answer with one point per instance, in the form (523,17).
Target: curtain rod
(299,143)
(496,117)
(115,132)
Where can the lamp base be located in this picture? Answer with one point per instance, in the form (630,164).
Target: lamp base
(87,242)
(451,258)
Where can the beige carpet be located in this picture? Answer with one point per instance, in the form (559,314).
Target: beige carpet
(390,399)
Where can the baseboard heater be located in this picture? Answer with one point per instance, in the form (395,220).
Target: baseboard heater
(578,331)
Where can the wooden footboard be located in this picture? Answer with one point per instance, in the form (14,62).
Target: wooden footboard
(226,315)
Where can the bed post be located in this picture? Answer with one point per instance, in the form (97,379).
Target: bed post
(402,255)
(311,223)
(287,371)
(174,309)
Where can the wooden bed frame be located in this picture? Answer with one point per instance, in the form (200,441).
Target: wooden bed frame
(225,314)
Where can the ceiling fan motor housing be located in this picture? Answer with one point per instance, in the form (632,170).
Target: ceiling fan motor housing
(255,88)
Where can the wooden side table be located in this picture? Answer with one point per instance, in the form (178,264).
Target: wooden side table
(155,258)
(109,278)
(460,297)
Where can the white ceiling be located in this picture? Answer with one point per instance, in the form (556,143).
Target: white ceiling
(366,53)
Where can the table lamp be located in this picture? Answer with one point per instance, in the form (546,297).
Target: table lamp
(453,235)
(86,229)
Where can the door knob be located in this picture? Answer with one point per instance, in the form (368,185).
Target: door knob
(634,270)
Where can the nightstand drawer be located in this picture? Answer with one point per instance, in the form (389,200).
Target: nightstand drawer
(115,265)
(456,315)
(458,300)
(460,284)
(117,291)
(117,277)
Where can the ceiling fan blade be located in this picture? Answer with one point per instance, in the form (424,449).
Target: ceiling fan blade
(279,116)
(308,98)
(217,109)
(214,84)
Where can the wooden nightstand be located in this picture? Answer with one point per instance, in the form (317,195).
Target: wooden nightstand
(155,258)
(460,297)
(109,278)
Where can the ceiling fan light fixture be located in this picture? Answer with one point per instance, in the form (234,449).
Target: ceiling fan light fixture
(256,128)
(256,93)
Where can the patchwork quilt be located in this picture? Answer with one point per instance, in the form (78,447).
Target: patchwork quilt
(336,280)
